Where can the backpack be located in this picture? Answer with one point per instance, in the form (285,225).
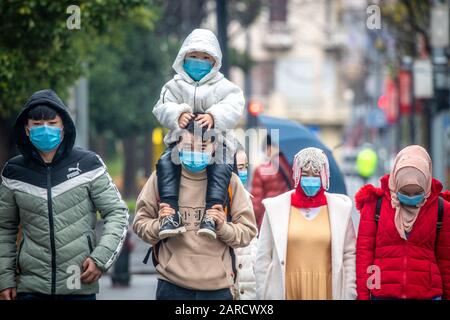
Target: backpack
(440,213)
(153,250)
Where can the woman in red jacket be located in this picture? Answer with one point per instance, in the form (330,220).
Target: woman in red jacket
(402,254)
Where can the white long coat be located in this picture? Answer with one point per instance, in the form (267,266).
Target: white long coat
(270,265)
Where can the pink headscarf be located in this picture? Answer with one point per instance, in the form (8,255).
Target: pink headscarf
(412,167)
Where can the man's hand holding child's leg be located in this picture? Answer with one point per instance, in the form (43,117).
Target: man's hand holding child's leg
(165,211)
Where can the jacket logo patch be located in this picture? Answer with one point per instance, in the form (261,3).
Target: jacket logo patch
(73,172)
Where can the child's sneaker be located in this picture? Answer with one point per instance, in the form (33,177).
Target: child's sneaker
(171,226)
(207,228)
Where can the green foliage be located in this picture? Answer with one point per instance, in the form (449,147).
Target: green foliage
(406,19)
(125,81)
(37,50)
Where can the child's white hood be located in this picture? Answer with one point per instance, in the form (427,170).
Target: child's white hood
(200,40)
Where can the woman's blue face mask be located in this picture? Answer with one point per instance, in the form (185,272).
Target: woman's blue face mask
(45,138)
(310,185)
(197,68)
(411,201)
(194,161)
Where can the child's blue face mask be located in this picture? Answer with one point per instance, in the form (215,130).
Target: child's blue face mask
(197,68)
(412,201)
(194,161)
(243,175)
(311,185)
(45,138)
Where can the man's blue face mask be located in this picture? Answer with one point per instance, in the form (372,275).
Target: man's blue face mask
(311,185)
(412,201)
(197,68)
(194,161)
(45,138)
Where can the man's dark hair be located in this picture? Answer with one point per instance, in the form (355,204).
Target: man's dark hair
(195,128)
(42,112)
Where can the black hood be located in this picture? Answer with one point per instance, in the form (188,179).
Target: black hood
(49,98)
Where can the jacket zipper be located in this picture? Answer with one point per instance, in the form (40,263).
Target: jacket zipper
(405,264)
(195,93)
(18,256)
(52,231)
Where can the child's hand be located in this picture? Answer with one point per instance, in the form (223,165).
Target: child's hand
(205,120)
(184,118)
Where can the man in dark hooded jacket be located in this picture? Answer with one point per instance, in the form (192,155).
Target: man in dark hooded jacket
(54,191)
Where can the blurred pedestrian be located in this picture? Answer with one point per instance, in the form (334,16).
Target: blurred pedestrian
(190,266)
(121,276)
(403,240)
(270,179)
(198,91)
(245,256)
(54,191)
(306,249)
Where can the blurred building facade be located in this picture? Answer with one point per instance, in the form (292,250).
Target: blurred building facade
(299,72)
(320,63)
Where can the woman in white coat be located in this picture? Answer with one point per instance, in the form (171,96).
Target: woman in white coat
(306,248)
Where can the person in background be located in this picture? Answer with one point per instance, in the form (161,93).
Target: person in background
(245,256)
(270,179)
(121,276)
(405,232)
(306,248)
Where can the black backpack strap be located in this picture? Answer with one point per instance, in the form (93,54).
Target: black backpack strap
(440,214)
(153,251)
(147,256)
(378,210)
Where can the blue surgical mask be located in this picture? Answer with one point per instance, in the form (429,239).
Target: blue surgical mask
(197,68)
(194,161)
(45,138)
(412,201)
(243,175)
(311,185)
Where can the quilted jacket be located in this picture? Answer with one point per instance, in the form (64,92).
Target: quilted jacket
(56,204)
(417,268)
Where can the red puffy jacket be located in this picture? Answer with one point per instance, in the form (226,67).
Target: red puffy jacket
(270,185)
(417,268)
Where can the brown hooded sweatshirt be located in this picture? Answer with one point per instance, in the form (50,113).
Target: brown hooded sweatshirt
(189,260)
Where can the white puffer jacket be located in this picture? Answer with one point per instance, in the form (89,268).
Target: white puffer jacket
(245,266)
(213,94)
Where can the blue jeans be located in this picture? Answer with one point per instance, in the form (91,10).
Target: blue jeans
(168,291)
(56,297)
